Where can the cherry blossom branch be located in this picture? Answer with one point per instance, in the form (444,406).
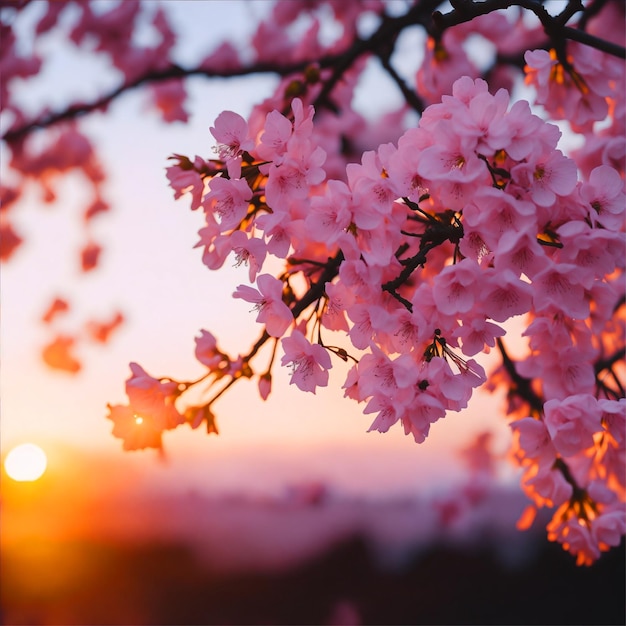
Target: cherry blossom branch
(521,386)
(388,30)
(466,10)
(607,364)
(436,233)
(411,97)
(314,293)
(154,76)
(316,290)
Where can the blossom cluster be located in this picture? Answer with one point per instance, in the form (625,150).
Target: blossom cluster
(404,248)
(421,254)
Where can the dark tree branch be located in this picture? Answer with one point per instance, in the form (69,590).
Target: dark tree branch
(388,30)
(379,43)
(592,10)
(466,10)
(316,290)
(522,386)
(607,363)
(410,96)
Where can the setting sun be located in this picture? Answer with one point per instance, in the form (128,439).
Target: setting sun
(26,462)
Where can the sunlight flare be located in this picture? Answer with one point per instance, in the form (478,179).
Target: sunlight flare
(26,462)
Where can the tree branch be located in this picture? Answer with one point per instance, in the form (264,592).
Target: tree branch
(467,10)
(388,30)
(523,386)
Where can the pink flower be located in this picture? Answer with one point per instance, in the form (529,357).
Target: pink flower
(557,288)
(230,131)
(595,251)
(149,412)
(285,182)
(149,396)
(614,418)
(268,301)
(604,195)
(452,158)
(184,181)
(608,528)
(217,247)
(277,131)
(519,252)
(169,98)
(566,372)
(310,362)
(371,188)
(331,214)
(454,289)
(442,65)
(228,199)
(552,176)
(279,227)
(137,432)
(265,385)
(292,179)
(361,332)
(425,409)
(576,538)
(207,351)
(389,409)
(476,334)
(379,373)
(533,442)
(546,486)
(454,390)
(248,250)
(503,295)
(339,297)
(572,422)
(539,69)
(493,212)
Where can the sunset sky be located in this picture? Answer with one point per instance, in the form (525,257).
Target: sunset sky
(151,272)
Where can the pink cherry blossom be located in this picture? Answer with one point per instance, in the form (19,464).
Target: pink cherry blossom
(136,432)
(503,295)
(207,351)
(576,538)
(546,486)
(424,410)
(572,423)
(550,177)
(454,287)
(268,301)
(557,288)
(604,195)
(230,131)
(151,397)
(608,528)
(265,385)
(477,334)
(309,362)
(228,199)
(249,251)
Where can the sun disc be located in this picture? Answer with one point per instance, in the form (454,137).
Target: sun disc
(26,462)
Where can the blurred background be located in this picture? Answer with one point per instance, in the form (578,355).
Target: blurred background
(294,513)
